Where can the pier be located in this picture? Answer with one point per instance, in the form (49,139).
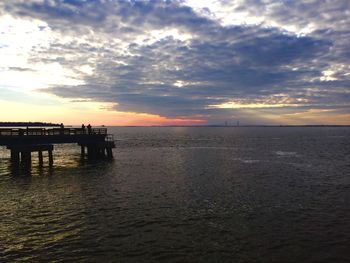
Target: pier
(95,143)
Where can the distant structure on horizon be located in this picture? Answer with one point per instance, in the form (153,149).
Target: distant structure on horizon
(227,124)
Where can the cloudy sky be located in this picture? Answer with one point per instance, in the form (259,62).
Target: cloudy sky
(175,62)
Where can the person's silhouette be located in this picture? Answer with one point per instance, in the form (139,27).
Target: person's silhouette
(89,128)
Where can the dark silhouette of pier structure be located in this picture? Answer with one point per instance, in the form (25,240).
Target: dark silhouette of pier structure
(96,143)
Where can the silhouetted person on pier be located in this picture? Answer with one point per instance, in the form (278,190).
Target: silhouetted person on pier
(89,128)
(83,128)
(62,127)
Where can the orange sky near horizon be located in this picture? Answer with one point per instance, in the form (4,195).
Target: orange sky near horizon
(98,114)
(93,113)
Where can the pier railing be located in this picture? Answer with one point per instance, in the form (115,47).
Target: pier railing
(50,132)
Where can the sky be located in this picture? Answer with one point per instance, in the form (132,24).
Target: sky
(180,62)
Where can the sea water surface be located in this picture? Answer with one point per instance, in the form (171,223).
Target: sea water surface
(180,194)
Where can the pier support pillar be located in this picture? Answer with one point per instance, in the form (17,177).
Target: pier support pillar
(82,150)
(40,155)
(109,153)
(102,152)
(21,155)
(98,150)
(90,152)
(50,158)
(26,158)
(15,157)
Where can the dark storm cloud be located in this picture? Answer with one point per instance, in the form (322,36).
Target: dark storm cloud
(216,64)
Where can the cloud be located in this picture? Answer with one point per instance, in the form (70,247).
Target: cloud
(178,60)
(20,69)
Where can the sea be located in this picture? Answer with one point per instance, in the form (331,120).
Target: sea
(184,194)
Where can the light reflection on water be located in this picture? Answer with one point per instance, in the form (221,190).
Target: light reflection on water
(185,194)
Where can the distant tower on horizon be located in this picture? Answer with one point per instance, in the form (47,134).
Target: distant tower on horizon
(237,123)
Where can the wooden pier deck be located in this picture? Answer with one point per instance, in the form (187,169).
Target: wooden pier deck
(95,142)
